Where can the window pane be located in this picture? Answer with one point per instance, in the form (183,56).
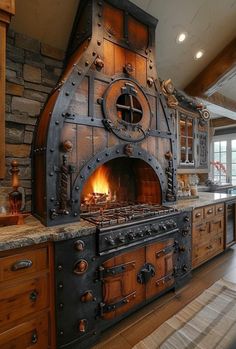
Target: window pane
(233,169)
(216,178)
(223,145)
(216,146)
(233,144)
(217,156)
(233,179)
(223,157)
(223,179)
(234,156)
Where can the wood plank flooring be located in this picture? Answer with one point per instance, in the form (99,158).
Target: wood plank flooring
(139,325)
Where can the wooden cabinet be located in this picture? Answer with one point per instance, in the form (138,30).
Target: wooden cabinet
(192,138)
(26,298)
(207,233)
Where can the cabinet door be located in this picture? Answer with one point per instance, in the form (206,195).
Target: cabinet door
(121,290)
(202,150)
(186,140)
(160,256)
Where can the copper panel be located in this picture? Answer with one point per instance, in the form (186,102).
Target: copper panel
(113,21)
(141,70)
(138,34)
(119,59)
(109,58)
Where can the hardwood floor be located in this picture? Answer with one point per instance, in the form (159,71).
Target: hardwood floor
(139,325)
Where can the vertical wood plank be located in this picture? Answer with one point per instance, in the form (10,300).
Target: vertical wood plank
(2,97)
(109,59)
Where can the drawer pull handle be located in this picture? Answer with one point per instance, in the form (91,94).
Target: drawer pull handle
(23,264)
(34,338)
(33,296)
(210,211)
(220,209)
(198,215)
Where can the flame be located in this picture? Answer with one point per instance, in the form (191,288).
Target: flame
(100,183)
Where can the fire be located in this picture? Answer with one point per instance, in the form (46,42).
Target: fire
(100,183)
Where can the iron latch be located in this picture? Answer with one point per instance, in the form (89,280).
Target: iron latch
(117,269)
(146,273)
(106,308)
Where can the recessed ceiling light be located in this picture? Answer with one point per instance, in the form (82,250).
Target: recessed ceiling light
(199,54)
(181,37)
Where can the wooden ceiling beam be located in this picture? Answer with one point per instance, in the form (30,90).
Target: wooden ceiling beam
(222,101)
(221,122)
(216,73)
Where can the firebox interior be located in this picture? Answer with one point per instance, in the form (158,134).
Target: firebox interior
(121,180)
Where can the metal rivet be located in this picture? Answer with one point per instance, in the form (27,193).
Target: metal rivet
(89,167)
(61,305)
(75,214)
(57,122)
(99,43)
(98,160)
(81,176)
(139,153)
(67,94)
(79,72)
(52,199)
(51,174)
(60,286)
(87,63)
(76,188)
(99,14)
(59,267)
(63,114)
(117,151)
(99,24)
(61,332)
(94,53)
(107,154)
(51,150)
(73,83)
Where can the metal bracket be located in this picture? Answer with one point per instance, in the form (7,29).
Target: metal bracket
(118,269)
(106,308)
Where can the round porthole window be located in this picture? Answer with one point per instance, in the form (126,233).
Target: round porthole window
(126,110)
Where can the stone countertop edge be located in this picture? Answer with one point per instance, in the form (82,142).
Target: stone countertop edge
(33,232)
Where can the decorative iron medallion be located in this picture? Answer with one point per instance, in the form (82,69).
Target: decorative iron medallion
(126,110)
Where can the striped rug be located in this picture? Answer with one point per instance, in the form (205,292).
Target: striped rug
(208,322)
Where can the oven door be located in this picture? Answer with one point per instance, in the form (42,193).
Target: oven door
(131,278)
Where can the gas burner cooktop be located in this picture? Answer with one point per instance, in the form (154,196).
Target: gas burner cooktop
(123,214)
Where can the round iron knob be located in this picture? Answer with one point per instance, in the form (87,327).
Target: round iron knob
(131,236)
(80,267)
(87,297)
(82,325)
(79,245)
(110,240)
(121,238)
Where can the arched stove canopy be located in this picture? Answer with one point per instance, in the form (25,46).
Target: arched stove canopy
(108,104)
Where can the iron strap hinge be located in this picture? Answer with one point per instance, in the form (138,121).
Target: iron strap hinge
(117,269)
(106,308)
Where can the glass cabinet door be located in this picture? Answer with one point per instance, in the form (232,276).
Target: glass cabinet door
(186,137)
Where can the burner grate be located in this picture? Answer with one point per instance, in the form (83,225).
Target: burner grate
(119,215)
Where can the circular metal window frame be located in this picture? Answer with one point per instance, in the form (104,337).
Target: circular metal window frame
(128,131)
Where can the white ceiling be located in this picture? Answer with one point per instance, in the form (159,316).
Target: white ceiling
(210,24)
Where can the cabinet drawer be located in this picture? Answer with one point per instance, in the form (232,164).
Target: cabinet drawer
(23,298)
(29,334)
(197,215)
(219,209)
(201,232)
(209,211)
(217,225)
(21,264)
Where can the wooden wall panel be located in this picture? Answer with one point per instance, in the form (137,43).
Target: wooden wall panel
(141,70)
(2,97)
(99,140)
(119,59)
(84,144)
(109,59)
(79,104)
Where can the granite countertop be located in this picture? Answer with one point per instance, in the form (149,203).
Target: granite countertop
(34,232)
(205,198)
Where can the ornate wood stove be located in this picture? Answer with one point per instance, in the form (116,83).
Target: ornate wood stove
(105,151)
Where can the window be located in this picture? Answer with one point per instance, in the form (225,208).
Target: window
(224,159)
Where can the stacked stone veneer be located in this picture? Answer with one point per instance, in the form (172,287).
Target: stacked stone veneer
(33,69)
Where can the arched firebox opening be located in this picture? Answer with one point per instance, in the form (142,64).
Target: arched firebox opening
(120,182)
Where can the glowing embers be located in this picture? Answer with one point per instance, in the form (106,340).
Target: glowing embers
(97,190)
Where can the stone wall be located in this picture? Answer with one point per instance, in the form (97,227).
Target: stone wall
(33,69)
